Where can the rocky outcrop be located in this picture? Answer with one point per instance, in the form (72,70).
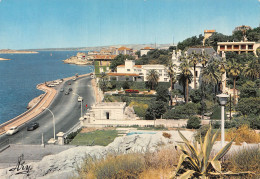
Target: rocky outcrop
(64,164)
(79,59)
(34,101)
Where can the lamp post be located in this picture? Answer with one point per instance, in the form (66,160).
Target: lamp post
(53,121)
(223,101)
(80,103)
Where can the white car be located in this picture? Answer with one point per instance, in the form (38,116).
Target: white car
(12,130)
(80,99)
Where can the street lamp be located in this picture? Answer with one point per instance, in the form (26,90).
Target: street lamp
(53,121)
(80,103)
(223,98)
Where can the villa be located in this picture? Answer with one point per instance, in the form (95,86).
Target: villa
(131,72)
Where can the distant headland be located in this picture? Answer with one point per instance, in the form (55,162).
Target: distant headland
(3,59)
(9,51)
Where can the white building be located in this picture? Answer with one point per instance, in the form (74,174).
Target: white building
(130,69)
(109,111)
(145,50)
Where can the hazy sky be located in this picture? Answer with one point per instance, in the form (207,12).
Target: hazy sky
(79,23)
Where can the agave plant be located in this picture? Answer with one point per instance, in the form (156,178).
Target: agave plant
(195,159)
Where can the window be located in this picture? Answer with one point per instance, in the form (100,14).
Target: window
(165,79)
(160,74)
(160,70)
(128,69)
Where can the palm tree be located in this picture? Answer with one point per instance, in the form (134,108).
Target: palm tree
(171,72)
(194,60)
(211,75)
(234,70)
(252,70)
(204,58)
(185,74)
(153,78)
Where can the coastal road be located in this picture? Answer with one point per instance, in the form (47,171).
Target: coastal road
(66,110)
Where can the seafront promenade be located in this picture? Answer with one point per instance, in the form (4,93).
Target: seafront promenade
(44,102)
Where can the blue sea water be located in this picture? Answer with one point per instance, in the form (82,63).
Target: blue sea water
(20,75)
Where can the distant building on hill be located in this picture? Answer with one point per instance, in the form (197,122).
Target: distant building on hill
(242,28)
(124,51)
(238,47)
(145,50)
(207,34)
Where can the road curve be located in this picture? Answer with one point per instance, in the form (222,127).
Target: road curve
(66,110)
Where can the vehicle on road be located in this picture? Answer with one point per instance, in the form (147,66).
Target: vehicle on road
(12,130)
(74,79)
(80,98)
(62,89)
(32,126)
(70,89)
(69,83)
(51,85)
(67,93)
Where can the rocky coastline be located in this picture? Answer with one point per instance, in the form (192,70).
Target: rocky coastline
(77,61)
(8,51)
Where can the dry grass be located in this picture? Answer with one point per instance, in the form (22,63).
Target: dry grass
(242,134)
(160,164)
(247,159)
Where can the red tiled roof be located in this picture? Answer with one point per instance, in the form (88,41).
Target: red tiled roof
(107,57)
(148,48)
(122,74)
(209,30)
(138,66)
(124,48)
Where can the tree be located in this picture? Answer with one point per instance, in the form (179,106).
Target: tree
(194,60)
(172,75)
(193,122)
(234,70)
(162,94)
(103,82)
(155,110)
(186,74)
(211,75)
(249,106)
(252,70)
(119,60)
(153,78)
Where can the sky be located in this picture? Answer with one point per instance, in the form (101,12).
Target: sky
(33,24)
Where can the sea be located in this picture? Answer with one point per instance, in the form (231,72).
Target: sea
(20,76)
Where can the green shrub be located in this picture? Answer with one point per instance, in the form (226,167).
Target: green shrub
(193,122)
(249,106)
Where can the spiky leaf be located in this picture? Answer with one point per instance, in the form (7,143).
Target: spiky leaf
(187,174)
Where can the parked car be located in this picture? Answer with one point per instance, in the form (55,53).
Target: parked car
(62,89)
(67,93)
(69,83)
(12,130)
(70,89)
(74,79)
(80,98)
(32,126)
